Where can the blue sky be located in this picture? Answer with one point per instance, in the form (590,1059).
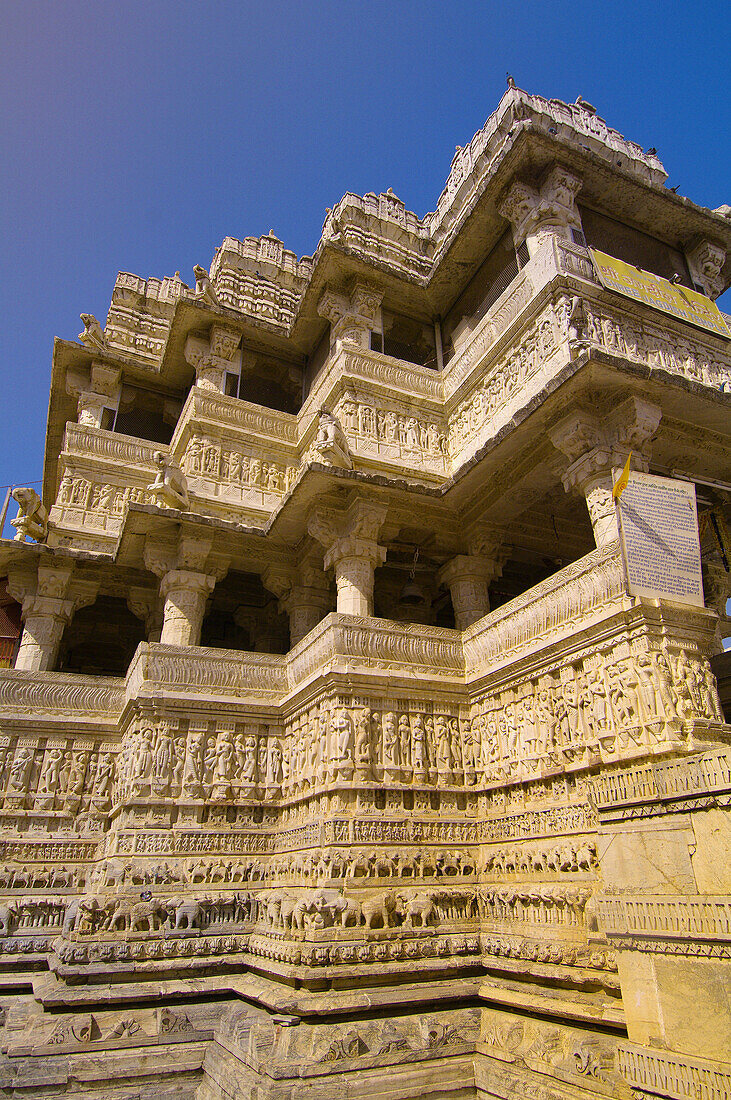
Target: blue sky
(135,136)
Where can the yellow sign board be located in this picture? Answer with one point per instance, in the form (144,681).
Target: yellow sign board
(652,290)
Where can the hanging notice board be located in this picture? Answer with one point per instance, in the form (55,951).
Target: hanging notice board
(658,527)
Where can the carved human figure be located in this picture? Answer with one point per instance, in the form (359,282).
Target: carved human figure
(391,756)
(104,776)
(51,775)
(344,735)
(20,770)
(404,736)
(193,768)
(363,737)
(250,759)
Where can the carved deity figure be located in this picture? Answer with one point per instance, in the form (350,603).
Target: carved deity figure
(32,518)
(169,489)
(20,770)
(390,741)
(344,735)
(193,767)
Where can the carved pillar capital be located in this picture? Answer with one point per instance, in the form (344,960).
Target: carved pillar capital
(146,604)
(352,315)
(546,210)
(49,598)
(706,260)
(351,548)
(210,358)
(596,444)
(468,578)
(188,570)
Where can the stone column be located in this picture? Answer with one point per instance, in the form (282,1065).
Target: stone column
(352,316)
(147,605)
(540,212)
(211,358)
(188,571)
(468,578)
(306,607)
(597,444)
(101,391)
(185,593)
(352,550)
(49,600)
(303,595)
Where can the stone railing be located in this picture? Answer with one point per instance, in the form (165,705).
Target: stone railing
(32,694)
(585,591)
(87,442)
(343,642)
(219,673)
(672,917)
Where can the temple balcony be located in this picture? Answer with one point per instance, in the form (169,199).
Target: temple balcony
(571,675)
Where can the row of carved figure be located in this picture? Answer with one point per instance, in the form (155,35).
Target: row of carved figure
(206,458)
(413,863)
(405,432)
(599,704)
(611,704)
(93,496)
(285,910)
(59,777)
(503,381)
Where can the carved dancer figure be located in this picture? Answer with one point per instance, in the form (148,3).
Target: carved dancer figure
(170,488)
(32,518)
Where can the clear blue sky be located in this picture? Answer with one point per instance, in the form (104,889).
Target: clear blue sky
(135,136)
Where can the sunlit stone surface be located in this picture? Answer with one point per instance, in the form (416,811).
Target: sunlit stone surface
(337,759)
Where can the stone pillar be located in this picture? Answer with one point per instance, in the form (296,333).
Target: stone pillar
(101,391)
(354,561)
(49,600)
(468,578)
(188,571)
(352,316)
(597,444)
(185,593)
(211,358)
(146,604)
(352,550)
(539,212)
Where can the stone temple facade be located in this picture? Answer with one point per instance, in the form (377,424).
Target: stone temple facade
(337,759)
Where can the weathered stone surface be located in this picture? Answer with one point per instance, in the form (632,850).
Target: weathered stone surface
(337,759)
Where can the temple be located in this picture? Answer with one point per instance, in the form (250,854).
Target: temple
(339,755)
